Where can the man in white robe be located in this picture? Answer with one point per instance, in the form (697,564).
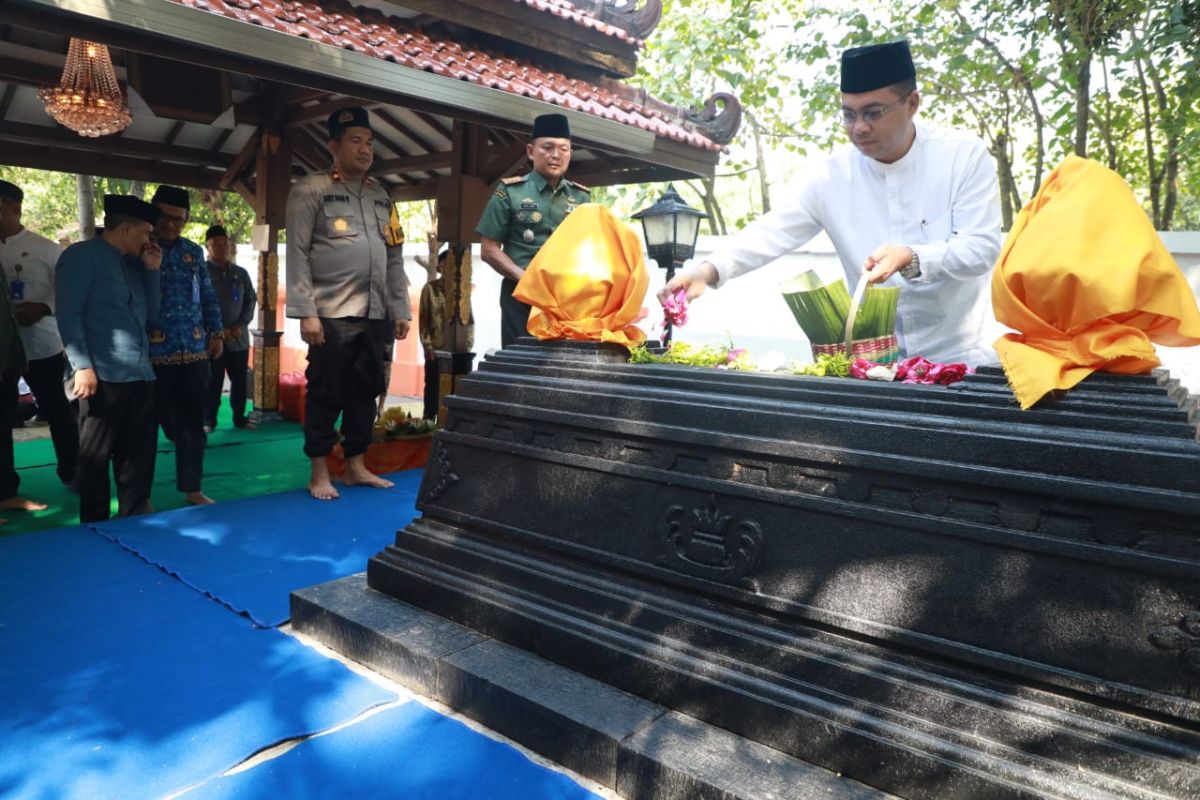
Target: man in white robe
(908,203)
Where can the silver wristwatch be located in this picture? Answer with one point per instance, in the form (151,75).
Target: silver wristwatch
(913,270)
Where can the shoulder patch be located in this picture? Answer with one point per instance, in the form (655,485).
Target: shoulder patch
(580,186)
(513,179)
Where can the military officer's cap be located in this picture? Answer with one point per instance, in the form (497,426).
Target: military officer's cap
(215,231)
(122,205)
(865,69)
(551,126)
(343,118)
(171,196)
(10,191)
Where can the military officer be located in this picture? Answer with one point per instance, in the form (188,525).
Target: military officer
(524,211)
(345,281)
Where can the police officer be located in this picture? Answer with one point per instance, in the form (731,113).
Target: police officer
(524,211)
(345,281)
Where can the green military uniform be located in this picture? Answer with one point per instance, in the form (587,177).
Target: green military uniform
(521,215)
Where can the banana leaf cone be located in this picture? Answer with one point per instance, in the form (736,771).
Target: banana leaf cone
(820,309)
(877,315)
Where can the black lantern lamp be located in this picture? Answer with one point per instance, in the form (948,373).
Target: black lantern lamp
(670,227)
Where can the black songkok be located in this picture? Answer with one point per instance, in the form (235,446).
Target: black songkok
(171,196)
(122,205)
(865,69)
(551,126)
(10,191)
(215,230)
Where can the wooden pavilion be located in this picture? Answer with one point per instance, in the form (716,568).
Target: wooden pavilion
(233,95)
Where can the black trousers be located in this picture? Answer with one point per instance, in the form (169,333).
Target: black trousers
(233,363)
(345,376)
(45,377)
(431,388)
(117,424)
(10,481)
(181,395)
(514,315)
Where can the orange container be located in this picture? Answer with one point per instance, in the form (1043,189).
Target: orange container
(292,389)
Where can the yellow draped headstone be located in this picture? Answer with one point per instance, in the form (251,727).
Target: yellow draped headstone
(588,281)
(1088,284)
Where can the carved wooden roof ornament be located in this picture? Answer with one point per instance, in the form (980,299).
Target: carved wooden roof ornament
(626,14)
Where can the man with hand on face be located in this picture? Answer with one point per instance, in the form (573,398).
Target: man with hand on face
(907,198)
(108,292)
(345,281)
(235,295)
(28,262)
(524,211)
(186,335)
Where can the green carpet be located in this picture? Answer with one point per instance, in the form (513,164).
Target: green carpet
(237,463)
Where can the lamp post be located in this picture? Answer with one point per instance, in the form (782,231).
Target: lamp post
(670,227)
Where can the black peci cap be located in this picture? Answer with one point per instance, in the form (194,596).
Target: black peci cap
(351,117)
(215,230)
(121,205)
(865,69)
(552,126)
(171,196)
(10,191)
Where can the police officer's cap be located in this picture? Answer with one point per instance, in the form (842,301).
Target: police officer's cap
(171,196)
(121,205)
(214,231)
(865,69)
(551,126)
(351,117)
(10,191)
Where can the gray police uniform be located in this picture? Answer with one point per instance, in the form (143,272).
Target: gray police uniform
(345,265)
(521,215)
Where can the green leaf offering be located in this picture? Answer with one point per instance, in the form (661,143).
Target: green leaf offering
(821,309)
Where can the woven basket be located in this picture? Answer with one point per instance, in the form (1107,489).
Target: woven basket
(881,349)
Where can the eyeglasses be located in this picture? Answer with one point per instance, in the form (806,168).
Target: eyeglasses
(173,219)
(871,115)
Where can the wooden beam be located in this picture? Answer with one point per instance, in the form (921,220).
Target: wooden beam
(58,137)
(222,138)
(504,161)
(387,116)
(241,162)
(27,72)
(434,123)
(58,159)
(422,163)
(633,174)
(426,190)
(6,101)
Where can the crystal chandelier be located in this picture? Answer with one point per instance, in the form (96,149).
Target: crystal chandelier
(87,99)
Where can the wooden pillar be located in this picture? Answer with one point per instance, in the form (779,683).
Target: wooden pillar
(460,201)
(273,177)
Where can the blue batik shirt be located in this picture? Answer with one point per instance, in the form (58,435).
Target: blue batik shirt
(189,313)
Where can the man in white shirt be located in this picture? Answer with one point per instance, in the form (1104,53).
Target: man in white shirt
(907,198)
(28,261)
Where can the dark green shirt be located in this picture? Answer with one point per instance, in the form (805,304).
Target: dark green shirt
(528,204)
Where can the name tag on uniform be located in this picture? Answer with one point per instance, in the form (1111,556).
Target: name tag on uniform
(529,205)
(384,204)
(18,289)
(195,289)
(336,198)
(236,293)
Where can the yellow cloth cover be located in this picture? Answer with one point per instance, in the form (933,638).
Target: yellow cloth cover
(588,281)
(1088,283)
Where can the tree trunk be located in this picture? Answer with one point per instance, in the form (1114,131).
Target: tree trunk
(760,157)
(1110,144)
(1004,173)
(86,205)
(1082,110)
(138,189)
(1170,173)
(716,220)
(1151,167)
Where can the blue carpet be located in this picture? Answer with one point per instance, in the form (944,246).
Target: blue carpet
(407,752)
(250,554)
(116,681)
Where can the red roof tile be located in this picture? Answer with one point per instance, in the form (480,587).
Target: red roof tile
(369,32)
(568,10)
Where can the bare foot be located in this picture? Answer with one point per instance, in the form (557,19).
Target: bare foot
(320,487)
(357,474)
(198,498)
(19,503)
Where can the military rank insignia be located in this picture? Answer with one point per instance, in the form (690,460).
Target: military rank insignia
(341,225)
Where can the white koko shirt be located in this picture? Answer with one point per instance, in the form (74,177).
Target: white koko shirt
(36,257)
(941,199)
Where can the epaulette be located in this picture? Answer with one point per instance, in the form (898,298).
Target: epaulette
(513,179)
(578,185)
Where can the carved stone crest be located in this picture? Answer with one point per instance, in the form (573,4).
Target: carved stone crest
(1184,638)
(443,476)
(710,544)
